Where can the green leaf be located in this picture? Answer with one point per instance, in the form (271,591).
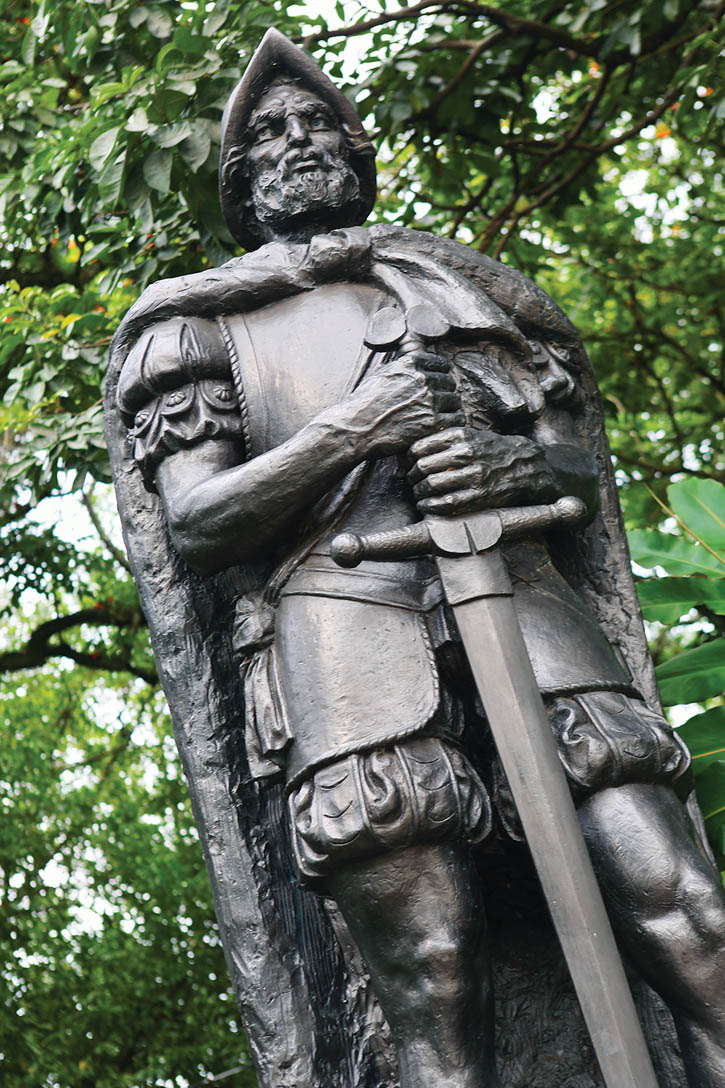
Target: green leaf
(138,121)
(27,51)
(11,68)
(159,23)
(107,91)
(704,735)
(677,555)
(694,675)
(111,179)
(710,791)
(216,18)
(195,149)
(667,599)
(171,135)
(102,147)
(191,41)
(137,16)
(700,504)
(183,86)
(157,170)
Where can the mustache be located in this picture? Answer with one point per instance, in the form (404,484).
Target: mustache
(322,159)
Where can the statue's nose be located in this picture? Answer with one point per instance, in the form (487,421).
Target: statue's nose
(556,381)
(297,132)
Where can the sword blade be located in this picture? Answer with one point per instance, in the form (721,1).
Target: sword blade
(492,638)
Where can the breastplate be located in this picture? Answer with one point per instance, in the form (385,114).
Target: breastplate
(303,355)
(300,356)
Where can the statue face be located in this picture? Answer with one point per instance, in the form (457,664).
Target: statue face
(554,378)
(293,126)
(297,159)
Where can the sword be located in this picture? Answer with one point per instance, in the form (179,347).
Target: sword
(478,588)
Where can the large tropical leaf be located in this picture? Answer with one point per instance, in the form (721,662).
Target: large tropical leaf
(694,675)
(711,796)
(667,599)
(677,555)
(704,735)
(700,504)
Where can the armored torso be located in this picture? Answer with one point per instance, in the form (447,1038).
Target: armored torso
(352,665)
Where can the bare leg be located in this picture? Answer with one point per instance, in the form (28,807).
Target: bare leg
(418,921)
(668,912)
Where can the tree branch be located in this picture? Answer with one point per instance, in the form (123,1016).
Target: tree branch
(118,555)
(457,79)
(513,26)
(41,647)
(365,25)
(555,187)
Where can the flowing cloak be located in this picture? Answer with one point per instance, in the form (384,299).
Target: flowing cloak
(305,999)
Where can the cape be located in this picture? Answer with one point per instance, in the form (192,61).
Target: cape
(305,999)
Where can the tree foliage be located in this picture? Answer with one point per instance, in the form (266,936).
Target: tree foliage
(690,595)
(578,141)
(112,973)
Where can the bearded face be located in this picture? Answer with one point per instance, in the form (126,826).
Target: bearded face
(293,190)
(297,159)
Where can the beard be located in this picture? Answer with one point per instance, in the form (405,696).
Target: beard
(286,193)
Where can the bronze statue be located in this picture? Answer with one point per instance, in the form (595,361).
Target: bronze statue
(325,392)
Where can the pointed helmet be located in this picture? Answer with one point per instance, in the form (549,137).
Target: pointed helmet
(276,58)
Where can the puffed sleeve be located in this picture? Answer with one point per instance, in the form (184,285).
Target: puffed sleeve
(176,390)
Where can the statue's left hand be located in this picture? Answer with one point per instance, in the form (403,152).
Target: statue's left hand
(460,470)
(340,254)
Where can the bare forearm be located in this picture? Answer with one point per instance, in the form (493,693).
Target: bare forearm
(227,516)
(220,512)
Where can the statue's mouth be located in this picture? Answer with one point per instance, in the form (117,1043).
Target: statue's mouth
(306,165)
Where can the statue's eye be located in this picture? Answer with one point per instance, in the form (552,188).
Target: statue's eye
(270,130)
(173,399)
(317,121)
(538,354)
(223,393)
(141,418)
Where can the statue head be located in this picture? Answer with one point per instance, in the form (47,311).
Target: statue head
(295,157)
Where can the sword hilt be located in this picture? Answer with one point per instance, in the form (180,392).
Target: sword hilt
(389,329)
(464,535)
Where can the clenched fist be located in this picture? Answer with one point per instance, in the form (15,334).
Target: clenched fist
(401,402)
(464,469)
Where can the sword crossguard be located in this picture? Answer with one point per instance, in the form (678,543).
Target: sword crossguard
(468,534)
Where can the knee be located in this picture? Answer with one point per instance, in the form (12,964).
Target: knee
(687,914)
(701,904)
(442,965)
(443,968)
(686,950)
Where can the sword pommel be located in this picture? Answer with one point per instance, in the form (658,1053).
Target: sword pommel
(570,510)
(349,549)
(521,521)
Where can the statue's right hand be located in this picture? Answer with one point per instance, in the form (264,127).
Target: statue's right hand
(402,401)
